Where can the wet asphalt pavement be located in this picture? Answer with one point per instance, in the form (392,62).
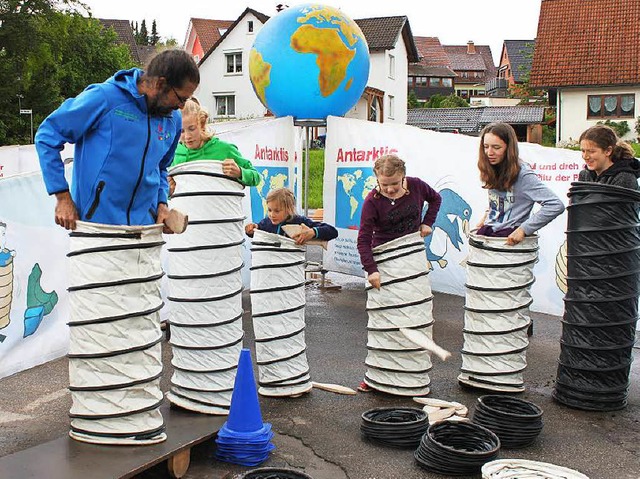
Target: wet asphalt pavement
(319,432)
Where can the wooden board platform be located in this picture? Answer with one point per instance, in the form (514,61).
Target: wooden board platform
(65,458)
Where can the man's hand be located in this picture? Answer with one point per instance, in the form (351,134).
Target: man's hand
(304,235)
(374,280)
(516,237)
(425,230)
(66,211)
(231,168)
(163,213)
(250,228)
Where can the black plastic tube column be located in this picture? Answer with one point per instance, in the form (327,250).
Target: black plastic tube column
(601,304)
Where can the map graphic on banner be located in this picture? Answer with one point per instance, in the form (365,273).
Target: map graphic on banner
(271,178)
(353,186)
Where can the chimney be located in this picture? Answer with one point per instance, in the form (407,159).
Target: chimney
(471,48)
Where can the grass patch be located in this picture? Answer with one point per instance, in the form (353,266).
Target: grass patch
(636,148)
(316,176)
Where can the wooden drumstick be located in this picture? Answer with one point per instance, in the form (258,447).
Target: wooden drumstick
(176,221)
(425,342)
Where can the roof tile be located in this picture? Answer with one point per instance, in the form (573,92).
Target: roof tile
(472,120)
(520,53)
(209,31)
(580,43)
(482,60)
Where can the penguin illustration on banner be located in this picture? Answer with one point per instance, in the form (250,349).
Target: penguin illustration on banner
(454,216)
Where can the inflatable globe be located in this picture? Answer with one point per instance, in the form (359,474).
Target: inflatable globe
(309,61)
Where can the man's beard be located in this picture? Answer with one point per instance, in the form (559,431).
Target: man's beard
(155,109)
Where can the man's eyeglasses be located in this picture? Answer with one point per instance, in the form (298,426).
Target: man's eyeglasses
(180,99)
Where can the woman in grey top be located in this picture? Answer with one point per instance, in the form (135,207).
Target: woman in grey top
(608,159)
(513,188)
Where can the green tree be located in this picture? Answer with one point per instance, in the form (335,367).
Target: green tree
(167,43)
(454,101)
(45,47)
(143,36)
(412,100)
(435,101)
(451,101)
(154,38)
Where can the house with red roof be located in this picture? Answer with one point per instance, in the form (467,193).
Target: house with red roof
(202,34)
(473,66)
(587,55)
(225,88)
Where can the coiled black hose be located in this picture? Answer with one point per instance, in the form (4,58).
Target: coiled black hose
(395,427)
(515,421)
(601,304)
(274,473)
(456,448)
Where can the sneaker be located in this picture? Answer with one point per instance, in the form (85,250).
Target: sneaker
(364,387)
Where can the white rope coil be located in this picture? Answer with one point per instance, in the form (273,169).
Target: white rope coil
(496,320)
(205,287)
(394,364)
(114,353)
(524,469)
(6,288)
(277,305)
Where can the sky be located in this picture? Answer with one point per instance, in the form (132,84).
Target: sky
(453,22)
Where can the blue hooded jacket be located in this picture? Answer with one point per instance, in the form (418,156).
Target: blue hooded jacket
(121,153)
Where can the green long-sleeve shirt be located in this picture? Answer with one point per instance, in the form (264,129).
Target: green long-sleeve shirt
(218,150)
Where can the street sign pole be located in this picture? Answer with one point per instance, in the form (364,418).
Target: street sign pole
(30,113)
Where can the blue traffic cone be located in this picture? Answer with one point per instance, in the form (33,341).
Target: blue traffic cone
(244,413)
(244,439)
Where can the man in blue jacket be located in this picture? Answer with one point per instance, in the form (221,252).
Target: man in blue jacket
(125,132)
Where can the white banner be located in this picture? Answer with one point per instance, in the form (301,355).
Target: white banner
(33,276)
(273,146)
(448,163)
(19,159)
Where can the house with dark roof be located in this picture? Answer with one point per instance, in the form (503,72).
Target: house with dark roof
(432,74)
(587,55)
(225,87)
(525,120)
(473,65)
(123,30)
(202,34)
(514,68)
(391,49)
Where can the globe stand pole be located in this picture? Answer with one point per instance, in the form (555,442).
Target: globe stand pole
(307,124)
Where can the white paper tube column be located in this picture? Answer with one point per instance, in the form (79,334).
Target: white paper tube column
(114,353)
(205,287)
(277,305)
(496,317)
(395,365)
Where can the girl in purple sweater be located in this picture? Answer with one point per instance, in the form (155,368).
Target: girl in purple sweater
(392,210)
